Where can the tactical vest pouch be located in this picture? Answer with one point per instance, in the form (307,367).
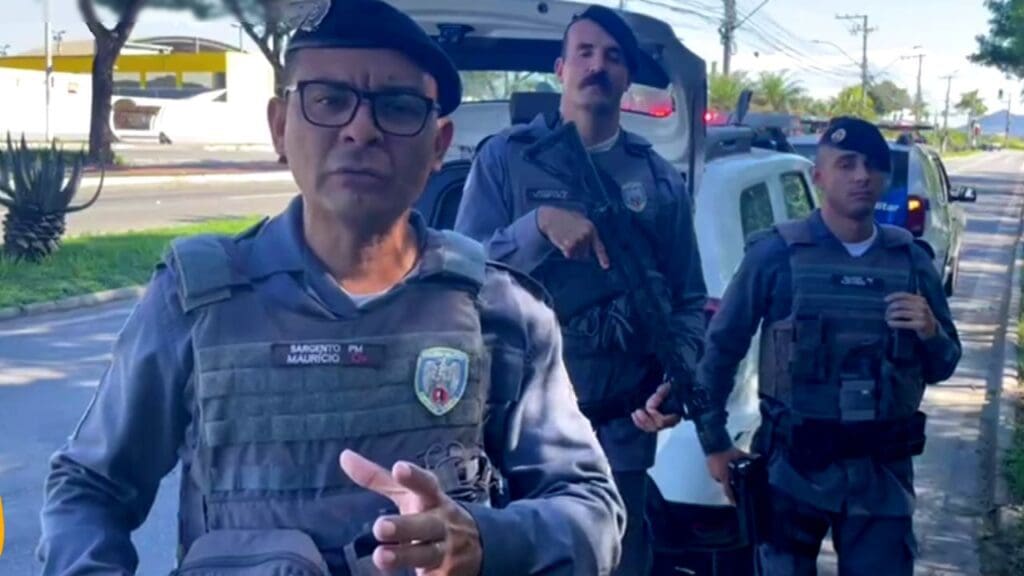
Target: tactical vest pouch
(815,444)
(253,553)
(807,364)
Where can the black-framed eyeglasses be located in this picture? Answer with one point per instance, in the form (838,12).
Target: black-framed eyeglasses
(334,105)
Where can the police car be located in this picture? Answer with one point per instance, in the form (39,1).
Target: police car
(506,52)
(921,199)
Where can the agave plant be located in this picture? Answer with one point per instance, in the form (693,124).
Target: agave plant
(37,192)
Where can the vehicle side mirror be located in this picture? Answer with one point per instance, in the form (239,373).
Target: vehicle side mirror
(963,194)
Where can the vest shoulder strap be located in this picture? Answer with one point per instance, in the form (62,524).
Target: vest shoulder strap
(207,269)
(456,256)
(529,283)
(894,236)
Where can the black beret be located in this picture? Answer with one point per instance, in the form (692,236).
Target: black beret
(856,135)
(617,28)
(377,24)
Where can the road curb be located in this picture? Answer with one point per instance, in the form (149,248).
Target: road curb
(71,303)
(1009,397)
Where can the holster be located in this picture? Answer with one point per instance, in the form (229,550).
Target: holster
(748,478)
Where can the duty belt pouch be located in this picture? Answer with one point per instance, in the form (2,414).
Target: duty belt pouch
(277,552)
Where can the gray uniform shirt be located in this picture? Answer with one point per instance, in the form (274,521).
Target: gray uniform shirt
(566,516)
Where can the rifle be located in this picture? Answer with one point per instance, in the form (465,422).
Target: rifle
(562,154)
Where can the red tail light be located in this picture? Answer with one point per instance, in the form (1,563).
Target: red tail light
(917,210)
(710,309)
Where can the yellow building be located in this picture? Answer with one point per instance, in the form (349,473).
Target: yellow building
(156,67)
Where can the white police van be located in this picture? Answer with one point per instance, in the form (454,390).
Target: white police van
(506,51)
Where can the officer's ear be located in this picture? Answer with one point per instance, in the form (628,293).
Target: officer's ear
(442,140)
(277,115)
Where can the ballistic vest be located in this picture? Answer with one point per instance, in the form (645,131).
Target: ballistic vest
(834,358)
(278,394)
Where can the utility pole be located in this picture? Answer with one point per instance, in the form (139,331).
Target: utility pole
(945,115)
(861,28)
(726,32)
(49,65)
(918,100)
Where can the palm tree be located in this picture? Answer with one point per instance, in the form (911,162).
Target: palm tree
(853,102)
(725,90)
(777,92)
(972,105)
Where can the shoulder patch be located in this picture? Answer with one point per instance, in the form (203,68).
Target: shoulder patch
(535,288)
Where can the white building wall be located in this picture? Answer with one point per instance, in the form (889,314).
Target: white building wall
(241,119)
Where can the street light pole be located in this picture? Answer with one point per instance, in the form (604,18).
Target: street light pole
(49,65)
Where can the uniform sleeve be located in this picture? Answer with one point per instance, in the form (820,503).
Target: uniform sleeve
(943,351)
(103,480)
(565,516)
(727,342)
(685,275)
(486,213)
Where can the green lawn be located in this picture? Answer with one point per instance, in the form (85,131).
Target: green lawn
(960,154)
(92,263)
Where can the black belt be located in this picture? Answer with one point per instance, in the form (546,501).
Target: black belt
(818,443)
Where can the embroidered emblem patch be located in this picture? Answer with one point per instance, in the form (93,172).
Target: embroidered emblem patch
(838,136)
(441,376)
(634,196)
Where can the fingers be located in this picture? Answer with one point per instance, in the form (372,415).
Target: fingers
(600,251)
(427,556)
(654,402)
(371,476)
(644,421)
(420,482)
(423,527)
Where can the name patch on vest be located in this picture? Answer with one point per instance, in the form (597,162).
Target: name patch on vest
(327,354)
(546,194)
(855,281)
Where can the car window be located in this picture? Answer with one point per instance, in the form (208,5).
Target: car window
(797,195)
(943,179)
(756,209)
(932,179)
(499,85)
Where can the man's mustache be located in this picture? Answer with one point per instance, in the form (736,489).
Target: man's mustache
(597,79)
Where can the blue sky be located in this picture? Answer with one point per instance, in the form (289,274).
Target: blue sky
(778,37)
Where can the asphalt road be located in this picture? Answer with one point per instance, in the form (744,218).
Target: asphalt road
(132,207)
(49,366)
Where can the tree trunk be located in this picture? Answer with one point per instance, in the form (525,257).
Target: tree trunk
(107,49)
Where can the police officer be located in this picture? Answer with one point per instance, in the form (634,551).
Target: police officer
(854,323)
(531,221)
(341,329)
